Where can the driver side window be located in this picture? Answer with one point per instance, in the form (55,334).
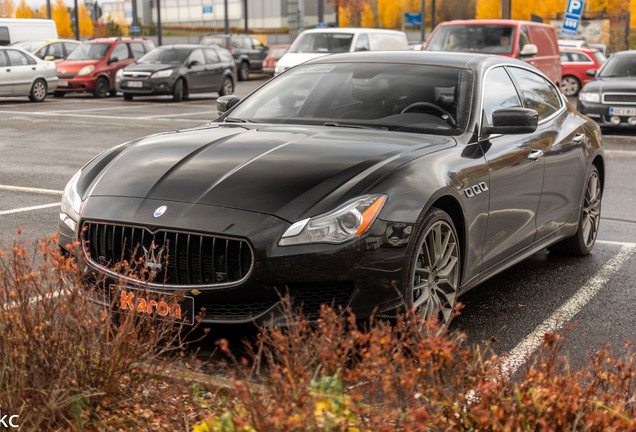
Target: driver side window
(500,93)
(120,52)
(197,56)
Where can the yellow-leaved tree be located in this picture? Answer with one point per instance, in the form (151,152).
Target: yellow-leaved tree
(389,13)
(488,9)
(85,22)
(62,18)
(368,17)
(7,8)
(23,10)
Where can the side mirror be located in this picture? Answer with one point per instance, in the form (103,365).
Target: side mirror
(591,72)
(113,60)
(49,58)
(224,103)
(528,50)
(193,63)
(512,121)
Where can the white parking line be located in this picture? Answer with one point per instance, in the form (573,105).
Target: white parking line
(26,209)
(8,188)
(100,116)
(520,354)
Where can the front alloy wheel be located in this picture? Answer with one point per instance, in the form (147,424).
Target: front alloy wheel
(434,275)
(570,86)
(227,88)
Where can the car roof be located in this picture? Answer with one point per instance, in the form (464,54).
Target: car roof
(349,30)
(116,39)
(494,21)
(186,46)
(624,53)
(578,49)
(434,58)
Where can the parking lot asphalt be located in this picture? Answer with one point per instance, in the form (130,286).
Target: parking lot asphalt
(43,145)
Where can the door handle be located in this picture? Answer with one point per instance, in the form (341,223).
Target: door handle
(579,138)
(535,154)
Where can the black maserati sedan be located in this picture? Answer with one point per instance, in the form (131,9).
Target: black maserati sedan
(610,98)
(179,70)
(377,181)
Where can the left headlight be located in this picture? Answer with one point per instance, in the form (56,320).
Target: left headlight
(86,70)
(348,221)
(71,203)
(162,74)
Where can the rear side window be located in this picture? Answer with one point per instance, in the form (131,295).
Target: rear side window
(500,93)
(56,50)
(16,58)
(4,36)
(3,59)
(539,94)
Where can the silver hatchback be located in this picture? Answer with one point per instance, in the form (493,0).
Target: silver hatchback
(23,74)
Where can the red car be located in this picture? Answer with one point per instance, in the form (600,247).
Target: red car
(275,52)
(575,62)
(92,66)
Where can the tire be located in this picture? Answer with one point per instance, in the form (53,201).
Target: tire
(570,85)
(581,243)
(227,87)
(128,97)
(38,91)
(101,88)
(244,71)
(58,94)
(433,277)
(177,92)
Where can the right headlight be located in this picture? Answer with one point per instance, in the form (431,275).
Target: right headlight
(86,70)
(592,97)
(350,220)
(71,203)
(162,74)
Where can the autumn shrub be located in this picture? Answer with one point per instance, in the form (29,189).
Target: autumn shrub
(63,359)
(336,375)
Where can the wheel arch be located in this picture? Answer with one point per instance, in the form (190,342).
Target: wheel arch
(600,166)
(451,206)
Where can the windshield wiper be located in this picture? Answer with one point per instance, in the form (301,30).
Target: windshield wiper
(236,120)
(352,125)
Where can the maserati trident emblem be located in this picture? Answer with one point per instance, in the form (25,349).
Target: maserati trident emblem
(152,258)
(161,210)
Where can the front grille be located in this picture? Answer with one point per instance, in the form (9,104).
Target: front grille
(136,74)
(174,258)
(66,76)
(626,98)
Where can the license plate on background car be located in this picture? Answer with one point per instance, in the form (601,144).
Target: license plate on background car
(61,83)
(153,303)
(622,111)
(135,84)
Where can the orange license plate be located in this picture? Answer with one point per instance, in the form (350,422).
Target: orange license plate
(155,304)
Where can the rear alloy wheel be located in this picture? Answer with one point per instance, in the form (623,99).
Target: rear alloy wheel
(101,88)
(228,87)
(38,91)
(434,269)
(244,72)
(583,241)
(570,85)
(177,92)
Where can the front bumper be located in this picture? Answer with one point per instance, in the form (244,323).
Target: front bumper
(363,274)
(600,112)
(77,84)
(149,86)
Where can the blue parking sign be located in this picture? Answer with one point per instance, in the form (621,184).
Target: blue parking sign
(572,17)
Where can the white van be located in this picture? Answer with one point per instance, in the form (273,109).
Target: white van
(322,41)
(21,29)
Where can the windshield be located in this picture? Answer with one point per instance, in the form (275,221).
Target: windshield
(277,52)
(400,97)
(322,43)
(214,40)
(90,51)
(619,66)
(480,38)
(29,46)
(166,56)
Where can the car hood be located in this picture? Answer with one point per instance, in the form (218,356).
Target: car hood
(149,67)
(287,171)
(73,66)
(620,84)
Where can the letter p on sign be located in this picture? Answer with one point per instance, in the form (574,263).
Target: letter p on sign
(575,7)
